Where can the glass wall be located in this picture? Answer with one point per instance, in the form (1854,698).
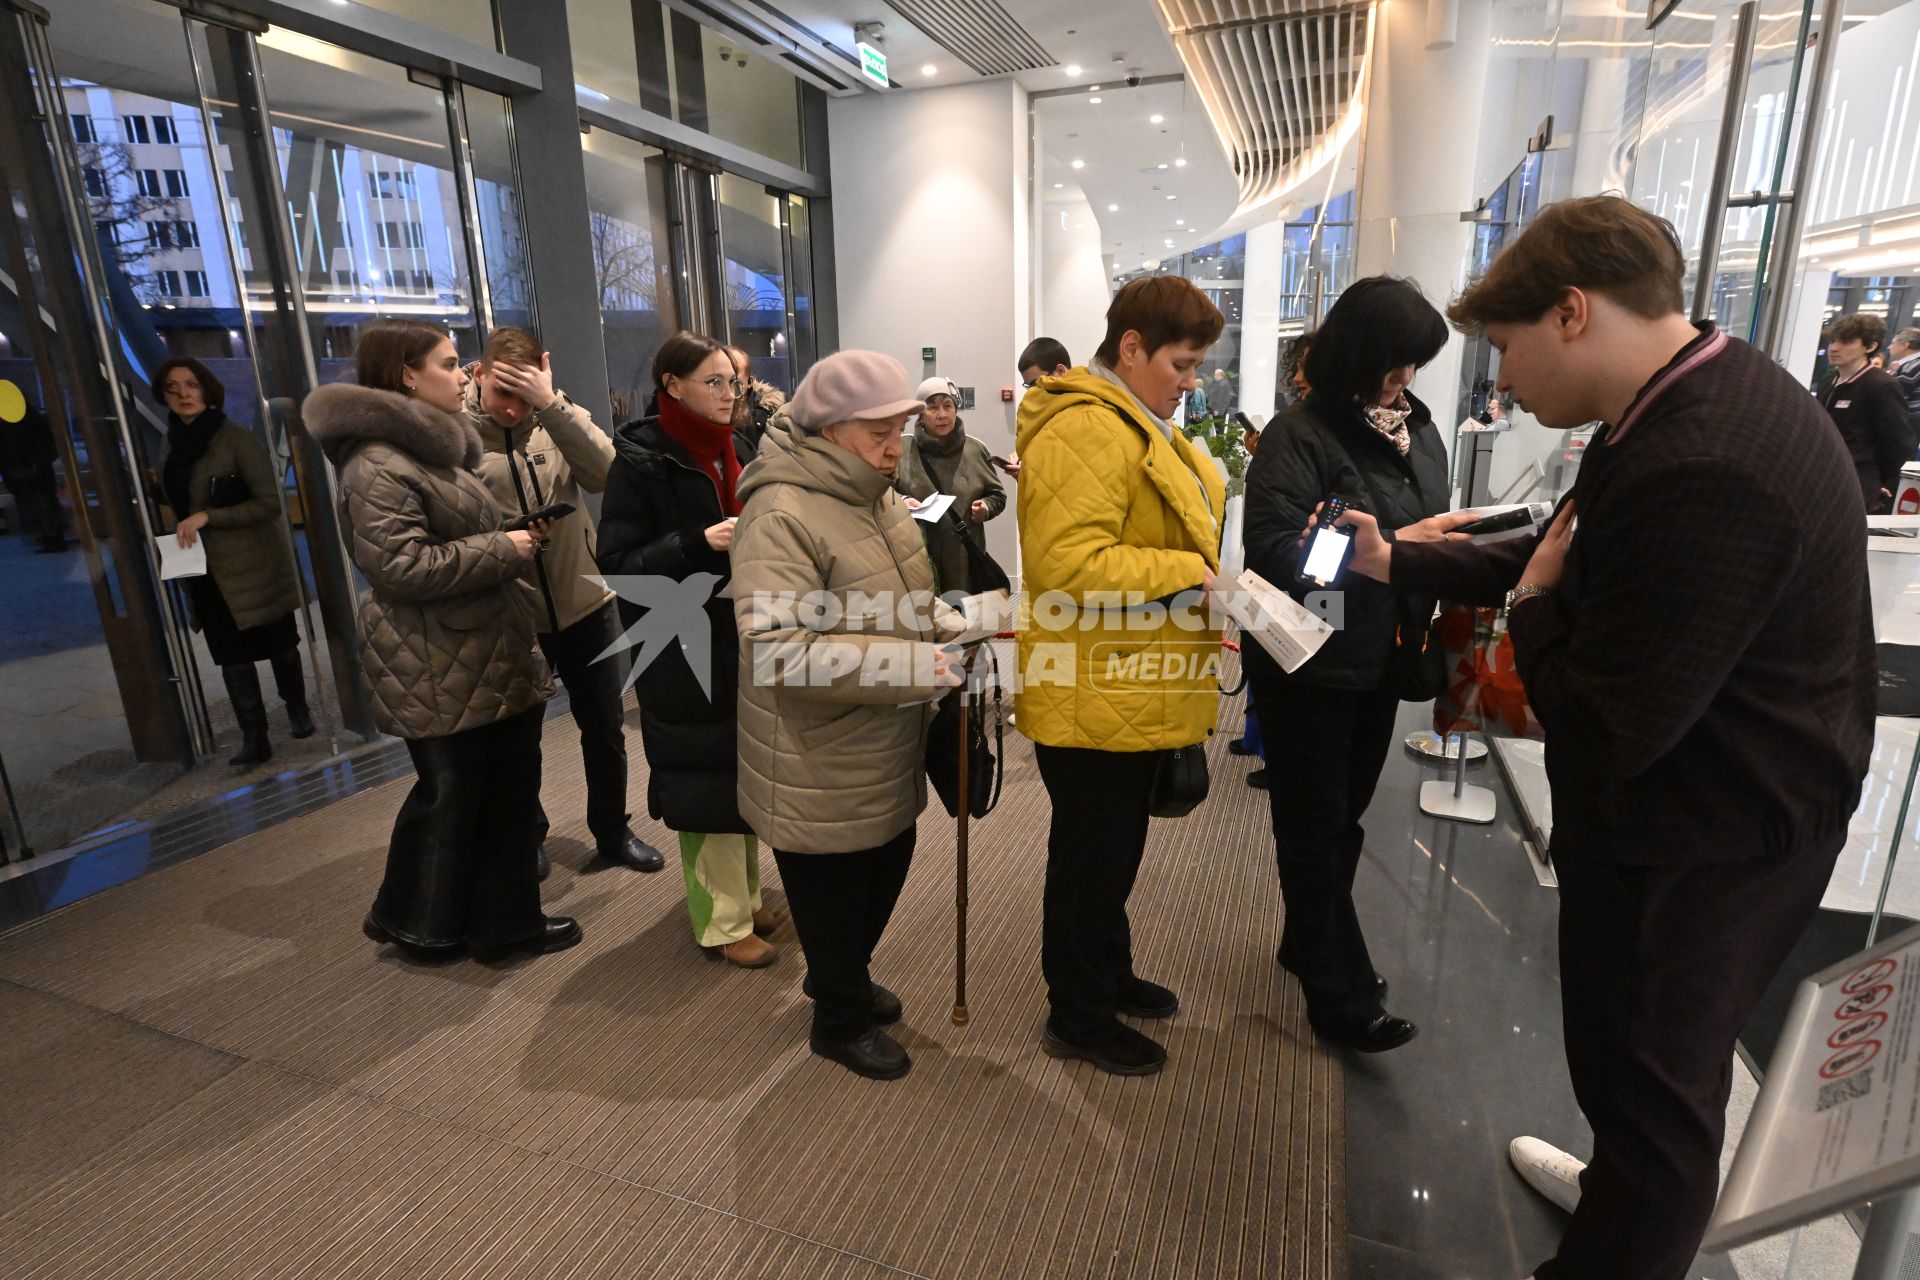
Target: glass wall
(627,201)
(751,233)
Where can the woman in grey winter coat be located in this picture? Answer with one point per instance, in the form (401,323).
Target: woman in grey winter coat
(447,636)
(221,486)
(940,457)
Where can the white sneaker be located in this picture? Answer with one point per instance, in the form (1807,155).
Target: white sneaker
(1548,1170)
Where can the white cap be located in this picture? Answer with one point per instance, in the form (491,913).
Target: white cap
(937,386)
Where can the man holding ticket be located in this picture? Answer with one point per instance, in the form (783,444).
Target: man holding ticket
(1701,656)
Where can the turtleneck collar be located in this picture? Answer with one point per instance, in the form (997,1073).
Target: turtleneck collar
(946,446)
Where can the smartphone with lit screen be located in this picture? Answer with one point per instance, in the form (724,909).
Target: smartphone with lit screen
(1327,548)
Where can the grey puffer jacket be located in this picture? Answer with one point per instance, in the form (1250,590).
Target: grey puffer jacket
(833,721)
(447,632)
(248,555)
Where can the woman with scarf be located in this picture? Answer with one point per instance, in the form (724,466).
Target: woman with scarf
(942,458)
(669,511)
(1328,726)
(221,486)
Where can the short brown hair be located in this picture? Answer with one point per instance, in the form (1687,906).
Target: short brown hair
(1600,244)
(211,389)
(513,345)
(1859,327)
(388,348)
(681,354)
(1161,309)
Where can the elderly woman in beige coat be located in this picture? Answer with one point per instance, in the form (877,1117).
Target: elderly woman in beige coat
(837,682)
(447,639)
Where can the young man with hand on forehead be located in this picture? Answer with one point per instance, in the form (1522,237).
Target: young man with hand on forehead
(543,449)
(1700,653)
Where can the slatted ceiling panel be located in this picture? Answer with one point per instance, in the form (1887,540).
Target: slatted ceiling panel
(981,33)
(1278,79)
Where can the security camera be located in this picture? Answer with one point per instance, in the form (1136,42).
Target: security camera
(726,53)
(1133,80)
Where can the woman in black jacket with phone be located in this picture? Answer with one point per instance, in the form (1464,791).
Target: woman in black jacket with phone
(1328,726)
(669,511)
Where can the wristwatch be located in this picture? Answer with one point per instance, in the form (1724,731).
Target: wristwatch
(1525,591)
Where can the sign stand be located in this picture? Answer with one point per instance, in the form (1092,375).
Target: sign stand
(1891,1248)
(1837,1123)
(1460,802)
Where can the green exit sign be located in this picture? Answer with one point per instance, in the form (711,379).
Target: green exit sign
(873,64)
(926,353)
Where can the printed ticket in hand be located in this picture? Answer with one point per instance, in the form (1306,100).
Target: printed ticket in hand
(1285,628)
(987,615)
(932,507)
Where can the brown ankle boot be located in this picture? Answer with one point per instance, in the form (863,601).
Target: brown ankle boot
(751,952)
(764,921)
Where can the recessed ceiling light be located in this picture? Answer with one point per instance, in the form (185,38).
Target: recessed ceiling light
(1179,222)
(1093,101)
(1156,119)
(1173,197)
(929,70)
(1167,243)
(1181,163)
(1079,164)
(1113,208)
(1073,68)
(1058,185)
(1163,166)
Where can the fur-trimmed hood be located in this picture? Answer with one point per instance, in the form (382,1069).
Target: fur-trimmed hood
(342,416)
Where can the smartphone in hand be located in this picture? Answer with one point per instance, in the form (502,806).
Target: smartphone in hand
(555,511)
(1327,549)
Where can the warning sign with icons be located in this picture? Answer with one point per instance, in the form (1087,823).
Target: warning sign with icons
(1838,1120)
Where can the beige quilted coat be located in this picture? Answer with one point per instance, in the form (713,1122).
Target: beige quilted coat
(831,759)
(447,630)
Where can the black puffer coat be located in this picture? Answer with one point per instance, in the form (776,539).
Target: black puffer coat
(1316,449)
(653,520)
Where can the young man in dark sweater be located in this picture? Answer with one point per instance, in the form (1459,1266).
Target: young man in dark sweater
(1868,407)
(1700,654)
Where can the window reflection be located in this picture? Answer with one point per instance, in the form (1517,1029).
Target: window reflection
(756,289)
(626,202)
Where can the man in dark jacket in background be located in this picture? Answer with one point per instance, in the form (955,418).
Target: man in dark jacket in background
(1701,656)
(541,449)
(1869,408)
(1903,356)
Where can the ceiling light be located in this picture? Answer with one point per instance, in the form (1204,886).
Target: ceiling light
(1167,243)
(1173,197)
(1073,68)
(1179,222)
(929,70)
(1093,102)
(1058,185)
(1113,208)
(1163,166)
(1156,119)
(1181,163)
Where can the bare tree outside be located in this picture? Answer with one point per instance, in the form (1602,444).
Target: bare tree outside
(623,261)
(120,212)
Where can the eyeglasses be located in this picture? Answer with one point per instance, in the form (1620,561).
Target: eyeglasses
(716,382)
(1029,384)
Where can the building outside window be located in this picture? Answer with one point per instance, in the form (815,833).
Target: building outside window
(167,284)
(177,183)
(84,131)
(134,129)
(196,284)
(166,131)
(148,182)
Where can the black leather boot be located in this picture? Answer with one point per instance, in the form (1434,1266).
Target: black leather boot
(291,684)
(250,710)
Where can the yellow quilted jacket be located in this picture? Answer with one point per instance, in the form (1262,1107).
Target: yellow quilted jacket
(1112,527)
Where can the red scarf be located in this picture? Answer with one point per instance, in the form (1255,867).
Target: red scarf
(709,443)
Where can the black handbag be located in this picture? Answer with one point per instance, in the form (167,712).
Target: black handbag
(1179,782)
(984,573)
(228,490)
(986,766)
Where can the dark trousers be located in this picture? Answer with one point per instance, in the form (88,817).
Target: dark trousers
(1094,845)
(1659,969)
(457,865)
(1324,749)
(841,903)
(594,690)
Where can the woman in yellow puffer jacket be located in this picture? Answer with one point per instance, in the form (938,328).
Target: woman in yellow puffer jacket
(1119,535)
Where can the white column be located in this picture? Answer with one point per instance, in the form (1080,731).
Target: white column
(1417,171)
(932,238)
(1260,319)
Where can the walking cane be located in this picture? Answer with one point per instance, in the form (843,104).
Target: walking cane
(964,807)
